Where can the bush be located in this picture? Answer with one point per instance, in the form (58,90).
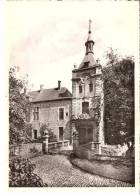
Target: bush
(21,174)
(52,136)
(34,150)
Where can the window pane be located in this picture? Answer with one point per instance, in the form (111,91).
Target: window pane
(80,88)
(90,87)
(85,107)
(61,113)
(35,134)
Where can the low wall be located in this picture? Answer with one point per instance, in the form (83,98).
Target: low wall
(25,149)
(108,152)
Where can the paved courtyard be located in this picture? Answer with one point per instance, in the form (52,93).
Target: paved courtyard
(57,171)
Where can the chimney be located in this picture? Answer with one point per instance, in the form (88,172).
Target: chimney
(41,88)
(59,84)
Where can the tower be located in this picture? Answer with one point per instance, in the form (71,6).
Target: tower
(87,100)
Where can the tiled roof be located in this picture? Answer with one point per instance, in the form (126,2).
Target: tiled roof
(88,58)
(50,94)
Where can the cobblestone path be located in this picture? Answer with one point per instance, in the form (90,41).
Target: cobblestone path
(57,171)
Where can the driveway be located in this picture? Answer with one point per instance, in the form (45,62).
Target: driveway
(57,171)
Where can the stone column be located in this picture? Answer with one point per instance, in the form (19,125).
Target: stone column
(75,141)
(45,142)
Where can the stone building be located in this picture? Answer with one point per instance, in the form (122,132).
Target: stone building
(53,108)
(87,102)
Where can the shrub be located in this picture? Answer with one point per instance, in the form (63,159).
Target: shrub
(34,150)
(52,136)
(21,174)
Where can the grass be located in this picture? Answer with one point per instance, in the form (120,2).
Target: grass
(121,169)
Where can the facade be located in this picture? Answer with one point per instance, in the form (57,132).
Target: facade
(53,108)
(87,100)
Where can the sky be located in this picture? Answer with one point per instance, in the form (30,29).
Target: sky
(46,39)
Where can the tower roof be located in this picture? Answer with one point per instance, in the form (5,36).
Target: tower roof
(88,60)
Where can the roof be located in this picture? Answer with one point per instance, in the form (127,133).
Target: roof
(50,94)
(89,59)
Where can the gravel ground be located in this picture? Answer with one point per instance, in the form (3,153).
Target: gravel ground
(57,171)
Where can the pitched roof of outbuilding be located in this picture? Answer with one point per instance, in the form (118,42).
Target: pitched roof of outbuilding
(50,94)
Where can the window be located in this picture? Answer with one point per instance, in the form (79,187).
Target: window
(61,133)
(86,64)
(89,130)
(61,113)
(67,114)
(85,107)
(35,134)
(90,87)
(80,88)
(36,113)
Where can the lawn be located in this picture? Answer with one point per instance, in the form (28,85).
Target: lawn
(121,169)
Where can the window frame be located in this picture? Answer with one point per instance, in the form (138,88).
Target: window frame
(61,108)
(90,87)
(35,132)
(85,107)
(36,113)
(80,88)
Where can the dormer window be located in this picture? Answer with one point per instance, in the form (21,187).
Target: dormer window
(86,64)
(80,88)
(90,87)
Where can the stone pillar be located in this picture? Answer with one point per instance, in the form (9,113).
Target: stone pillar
(73,129)
(75,141)
(45,142)
(98,148)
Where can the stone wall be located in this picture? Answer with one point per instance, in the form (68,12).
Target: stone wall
(49,114)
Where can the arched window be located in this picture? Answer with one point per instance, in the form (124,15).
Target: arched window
(85,107)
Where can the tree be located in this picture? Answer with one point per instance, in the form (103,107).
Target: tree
(17,109)
(119,100)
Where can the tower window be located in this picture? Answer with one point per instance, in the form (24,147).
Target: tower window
(61,113)
(90,87)
(85,107)
(36,113)
(80,88)
(86,64)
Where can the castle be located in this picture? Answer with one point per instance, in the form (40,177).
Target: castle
(80,112)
